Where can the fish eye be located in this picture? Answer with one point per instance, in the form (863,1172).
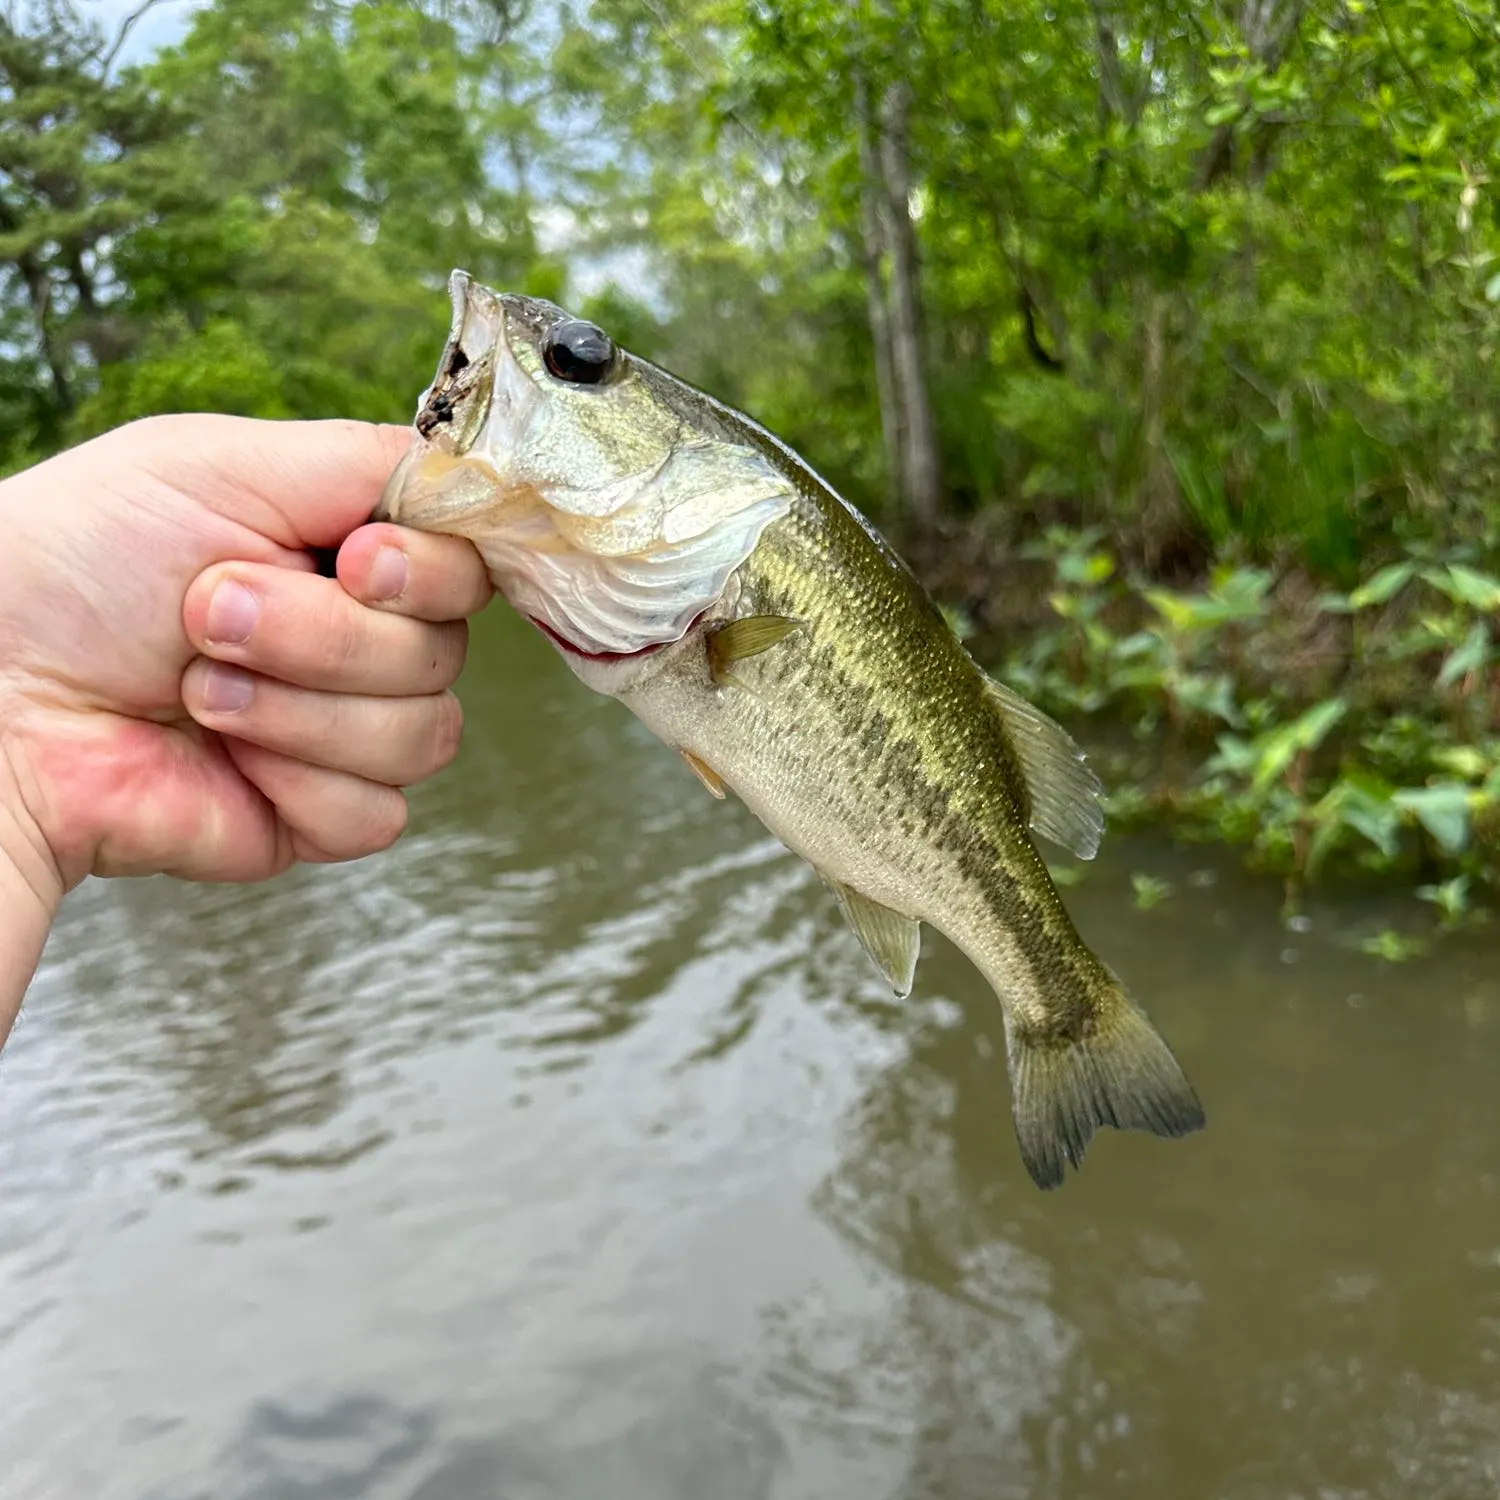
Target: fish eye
(579,353)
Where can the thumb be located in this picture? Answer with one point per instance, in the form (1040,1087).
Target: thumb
(302,484)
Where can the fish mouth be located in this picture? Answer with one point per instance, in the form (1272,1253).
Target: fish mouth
(476,380)
(600,515)
(448,486)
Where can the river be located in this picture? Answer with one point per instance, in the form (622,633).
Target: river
(571,1150)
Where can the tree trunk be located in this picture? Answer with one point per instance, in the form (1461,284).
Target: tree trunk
(1160,510)
(921,475)
(873,250)
(1268,29)
(39,290)
(1114,98)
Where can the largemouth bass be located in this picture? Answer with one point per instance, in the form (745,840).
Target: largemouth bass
(686,562)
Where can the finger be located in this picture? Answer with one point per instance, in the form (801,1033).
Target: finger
(302,484)
(307,631)
(414,573)
(393,740)
(331,814)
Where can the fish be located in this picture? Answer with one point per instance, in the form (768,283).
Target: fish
(686,562)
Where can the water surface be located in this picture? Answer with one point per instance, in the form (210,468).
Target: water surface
(571,1151)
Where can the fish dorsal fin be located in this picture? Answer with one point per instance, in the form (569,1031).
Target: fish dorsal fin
(890,939)
(1062,792)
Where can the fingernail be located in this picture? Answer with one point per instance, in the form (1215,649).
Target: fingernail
(232,613)
(227,690)
(388,574)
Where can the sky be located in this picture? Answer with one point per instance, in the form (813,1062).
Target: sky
(160,26)
(166,21)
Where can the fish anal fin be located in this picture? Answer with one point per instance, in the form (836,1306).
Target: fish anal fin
(1062,792)
(705,773)
(1116,1070)
(891,940)
(737,640)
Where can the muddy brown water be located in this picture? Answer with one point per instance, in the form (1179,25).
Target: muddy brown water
(572,1151)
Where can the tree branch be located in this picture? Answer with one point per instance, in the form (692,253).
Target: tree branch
(125,29)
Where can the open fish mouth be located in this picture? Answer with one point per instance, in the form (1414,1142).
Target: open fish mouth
(611,524)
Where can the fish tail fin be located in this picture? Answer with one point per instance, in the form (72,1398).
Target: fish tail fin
(1106,1065)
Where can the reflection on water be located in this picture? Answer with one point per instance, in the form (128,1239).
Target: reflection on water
(570,1150)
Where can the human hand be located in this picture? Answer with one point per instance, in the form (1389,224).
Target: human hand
(180,692)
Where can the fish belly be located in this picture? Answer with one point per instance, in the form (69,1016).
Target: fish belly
(774,748)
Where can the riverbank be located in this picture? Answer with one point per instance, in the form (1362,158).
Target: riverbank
(1325,733)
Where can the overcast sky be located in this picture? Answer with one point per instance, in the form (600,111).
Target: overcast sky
(166,21)
(162,24)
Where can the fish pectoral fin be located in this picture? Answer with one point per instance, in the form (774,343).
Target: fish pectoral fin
(890,939)
(738,639)
(1062,792)
(705,773)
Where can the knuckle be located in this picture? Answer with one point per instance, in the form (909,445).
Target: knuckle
(448,657)
(373,820)
(384,823)
(447,731)
(162,427)
(451,576)
(341,640)
(299,722)
(479,588)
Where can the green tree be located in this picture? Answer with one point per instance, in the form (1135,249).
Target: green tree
(260,219)
(82,155)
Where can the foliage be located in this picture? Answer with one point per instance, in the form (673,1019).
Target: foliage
(258,220)
(1211,277)
(1376,747)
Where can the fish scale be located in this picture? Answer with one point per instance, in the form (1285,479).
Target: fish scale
(816,680)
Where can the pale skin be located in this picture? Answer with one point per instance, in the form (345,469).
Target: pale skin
(181,693)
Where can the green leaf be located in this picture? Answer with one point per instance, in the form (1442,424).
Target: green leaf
(1278,748)
(1471,656)
(1393,947)
(1149,891)
(1442,809)
(1382,586)
(1213,697)
(959,620)
(1137,645)
(1235,755)
(1362,804)
(1467,761)
(1085,570)
(1451,897)
(1476,589)
(1234,597)
(1175,609)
